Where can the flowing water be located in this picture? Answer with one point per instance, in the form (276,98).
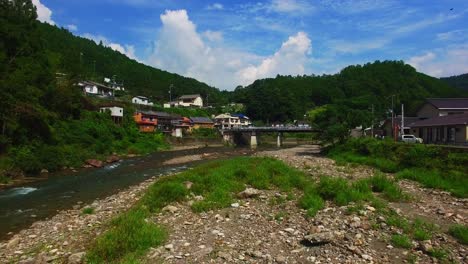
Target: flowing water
(21,206)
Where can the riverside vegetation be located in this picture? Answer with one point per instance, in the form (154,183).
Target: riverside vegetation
(432,166)
(129,236)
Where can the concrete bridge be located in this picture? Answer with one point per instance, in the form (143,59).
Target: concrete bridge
(233,135)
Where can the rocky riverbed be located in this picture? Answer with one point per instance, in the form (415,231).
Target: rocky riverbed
(260,227)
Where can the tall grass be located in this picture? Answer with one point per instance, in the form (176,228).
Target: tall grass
(434,167)
(452,181)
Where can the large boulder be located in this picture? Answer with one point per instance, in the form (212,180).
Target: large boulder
(95,163)
(112,159)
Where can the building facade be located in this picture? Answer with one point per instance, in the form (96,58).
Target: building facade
(141,100)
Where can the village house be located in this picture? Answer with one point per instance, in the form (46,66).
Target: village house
(442,107)
(96,89)
(116,112)
(180,125)
(446,129)
(191,100)
(141,100)
(146,120)
(201,122)
(227,121)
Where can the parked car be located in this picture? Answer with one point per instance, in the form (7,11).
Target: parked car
(411,139)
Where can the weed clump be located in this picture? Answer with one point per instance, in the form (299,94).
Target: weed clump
(460,232)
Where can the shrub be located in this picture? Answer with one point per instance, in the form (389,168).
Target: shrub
(162,193)
(329,187)
(25,159)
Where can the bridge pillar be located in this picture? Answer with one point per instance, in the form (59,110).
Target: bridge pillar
(253,140)
(228,138)
(279,140)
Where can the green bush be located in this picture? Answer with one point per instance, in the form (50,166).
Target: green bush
(25,159)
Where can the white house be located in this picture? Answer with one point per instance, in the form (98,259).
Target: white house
(94,88)
(226,121)
(186,101)
(115,111)
(141,100)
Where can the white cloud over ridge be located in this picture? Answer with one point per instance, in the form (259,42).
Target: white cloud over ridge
(44,14)
(72,27)
(180,48)
(442,62)
(128,50)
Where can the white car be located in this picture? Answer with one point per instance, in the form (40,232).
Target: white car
(411,139)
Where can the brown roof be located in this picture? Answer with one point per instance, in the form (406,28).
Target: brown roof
(457,119)
(449,103)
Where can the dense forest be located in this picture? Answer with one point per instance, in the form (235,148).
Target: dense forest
(287,98)
(459,81)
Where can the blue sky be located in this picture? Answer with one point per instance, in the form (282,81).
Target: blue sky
(230,43)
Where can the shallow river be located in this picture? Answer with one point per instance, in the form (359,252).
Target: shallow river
(21,206)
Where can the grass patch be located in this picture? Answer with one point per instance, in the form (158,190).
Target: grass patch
(451,181)
(312,202)
(438,253)
(460,232)
(87,210)
(129,236)
(391,191)
(401,241)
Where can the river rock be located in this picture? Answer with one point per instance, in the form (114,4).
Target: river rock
(248,193)
(170,208)
(112,159)
(188,185)
(324,237)
(95,163)
(76,258)
(13,243)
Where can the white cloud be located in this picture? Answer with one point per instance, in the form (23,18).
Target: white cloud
(454,35)
(443,62)
(180,48)
(72,27)
(44,14)
(288,60)
(356,47)
(289,6)
(213,35)
(215,6)
(128,50)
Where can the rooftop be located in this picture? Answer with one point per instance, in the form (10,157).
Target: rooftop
(189,96)
(203,120)
(449,103)
(458,119)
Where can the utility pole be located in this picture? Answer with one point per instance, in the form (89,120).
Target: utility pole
(372,125)
(170,93)
(402,119)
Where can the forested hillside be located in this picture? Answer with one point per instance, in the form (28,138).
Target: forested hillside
(287,98)
(459,81)
(77,56)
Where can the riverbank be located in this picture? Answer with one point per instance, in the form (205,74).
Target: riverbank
(22,180)
(268,225)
